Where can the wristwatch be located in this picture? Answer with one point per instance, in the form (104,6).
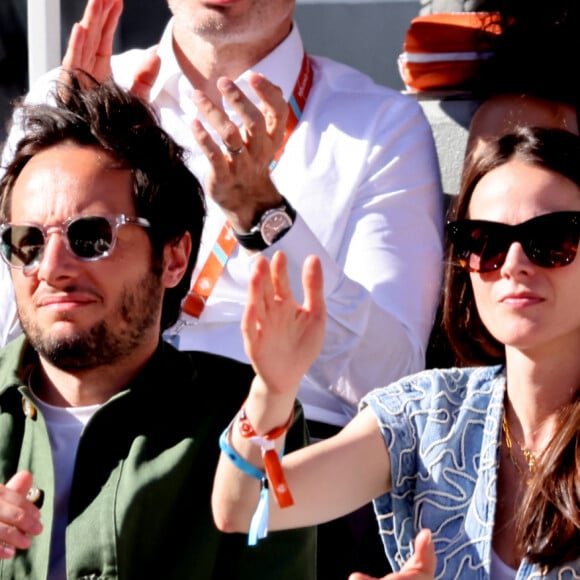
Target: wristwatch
(271,226)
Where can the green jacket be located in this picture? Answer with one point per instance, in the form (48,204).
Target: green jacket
(140,497)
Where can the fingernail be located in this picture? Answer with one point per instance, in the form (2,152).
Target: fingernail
(36,527)
(7,551)
(225,84)
(198,96)
(258,80)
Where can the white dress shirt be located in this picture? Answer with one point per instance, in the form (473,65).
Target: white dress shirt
(361,171)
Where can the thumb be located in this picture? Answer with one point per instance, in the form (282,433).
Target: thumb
(424,557)
(146,74)
(20,482)
(420,566)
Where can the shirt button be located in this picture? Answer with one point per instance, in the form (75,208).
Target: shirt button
(35,495)
(28,408)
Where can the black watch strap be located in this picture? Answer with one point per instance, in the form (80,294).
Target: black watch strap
(271,226)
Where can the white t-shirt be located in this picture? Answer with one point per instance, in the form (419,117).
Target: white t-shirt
(65,426)
(499,570)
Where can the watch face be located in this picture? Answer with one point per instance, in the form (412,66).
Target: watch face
(274,224)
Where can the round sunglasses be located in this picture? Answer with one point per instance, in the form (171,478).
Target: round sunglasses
(88,238)
(549,241)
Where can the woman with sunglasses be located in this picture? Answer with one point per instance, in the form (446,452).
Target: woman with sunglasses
(485,456)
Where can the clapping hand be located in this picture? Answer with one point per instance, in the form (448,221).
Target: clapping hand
(90,47)
(19,517)
(420,566)
(239,179)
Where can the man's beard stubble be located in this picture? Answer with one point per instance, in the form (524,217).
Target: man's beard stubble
(103,345)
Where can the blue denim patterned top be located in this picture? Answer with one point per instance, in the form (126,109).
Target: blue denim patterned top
(443,432)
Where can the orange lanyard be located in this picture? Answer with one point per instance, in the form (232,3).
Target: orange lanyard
(223,247)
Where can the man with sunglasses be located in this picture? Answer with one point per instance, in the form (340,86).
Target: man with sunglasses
(108,435)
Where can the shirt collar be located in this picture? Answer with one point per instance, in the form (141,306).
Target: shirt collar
(169,72)
(281,66)
(18,360)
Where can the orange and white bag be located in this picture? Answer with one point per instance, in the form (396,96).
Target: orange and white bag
(443,51)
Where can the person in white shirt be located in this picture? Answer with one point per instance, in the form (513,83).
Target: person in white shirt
(357,184)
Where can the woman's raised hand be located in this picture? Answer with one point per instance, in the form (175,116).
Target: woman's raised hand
(283,338)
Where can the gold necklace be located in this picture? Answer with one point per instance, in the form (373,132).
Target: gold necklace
(528,455)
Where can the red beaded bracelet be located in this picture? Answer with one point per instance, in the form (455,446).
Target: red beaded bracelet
(271,460)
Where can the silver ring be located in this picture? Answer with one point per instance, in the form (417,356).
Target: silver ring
(234,152)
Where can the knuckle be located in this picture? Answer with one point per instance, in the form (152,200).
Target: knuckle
(229,131)
(277,93)
(237,97)
(282,114)
(19,518)
(214,157)
(255,124)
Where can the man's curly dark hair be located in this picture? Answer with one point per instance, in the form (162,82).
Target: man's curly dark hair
(104,115)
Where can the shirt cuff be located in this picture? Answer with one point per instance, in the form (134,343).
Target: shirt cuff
(299,243)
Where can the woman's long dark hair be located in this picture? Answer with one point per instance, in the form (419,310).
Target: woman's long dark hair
(548,526)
